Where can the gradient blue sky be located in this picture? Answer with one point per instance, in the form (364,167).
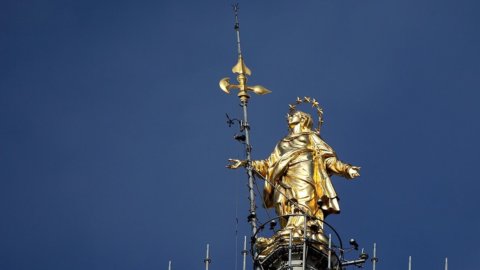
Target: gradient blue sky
(113,138)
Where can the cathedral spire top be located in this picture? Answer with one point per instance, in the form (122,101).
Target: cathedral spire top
(236,8)
(241,70)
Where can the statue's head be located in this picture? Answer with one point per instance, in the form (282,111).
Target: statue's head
(299,117)
(306,119)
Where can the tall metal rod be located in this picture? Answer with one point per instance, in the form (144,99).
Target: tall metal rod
(248,149)
(169,265)
(252,218)
(290,251)
(242,72)
(409,262)
(329,264)
(374,259)
(237,28)
(244,253)
(304,259)
(446,263)
(207,258)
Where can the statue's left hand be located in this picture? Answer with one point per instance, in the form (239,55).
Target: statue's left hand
(236,163)
(354,172)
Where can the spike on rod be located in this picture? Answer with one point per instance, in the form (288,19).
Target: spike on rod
(207,260)
(244,253)
(374,258)
(241,70)
(240,67)
(236,8)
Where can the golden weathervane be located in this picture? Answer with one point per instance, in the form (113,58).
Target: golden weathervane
(242,72)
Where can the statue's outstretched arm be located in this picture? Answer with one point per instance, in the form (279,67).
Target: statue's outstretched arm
(259,166)
(236,163)
(338,167)
(332,163)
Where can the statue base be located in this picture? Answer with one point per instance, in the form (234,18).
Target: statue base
(277,253)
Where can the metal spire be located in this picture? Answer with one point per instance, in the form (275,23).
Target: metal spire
(236,8)
(329,263)
(242,72)
(207,258)
(374,258)
(244,253)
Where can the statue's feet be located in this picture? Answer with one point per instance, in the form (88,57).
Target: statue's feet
(319,237)
(263,242)
(285,233)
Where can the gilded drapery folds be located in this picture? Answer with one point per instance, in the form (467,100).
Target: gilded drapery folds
(297,176)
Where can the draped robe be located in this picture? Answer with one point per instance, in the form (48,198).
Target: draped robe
(297,176)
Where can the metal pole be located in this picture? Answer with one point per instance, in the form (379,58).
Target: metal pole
(225,85)
(446,263)
(253,217)
(374,259)
(290,251)
(304,241)
(237,28)
(169,265)
(329,266)
(207,259)
(409,262)
(244,253)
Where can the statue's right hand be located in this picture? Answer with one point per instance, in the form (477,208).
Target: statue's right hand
(235,163)
(353,172)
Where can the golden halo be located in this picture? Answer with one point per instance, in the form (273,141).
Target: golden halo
(314,102)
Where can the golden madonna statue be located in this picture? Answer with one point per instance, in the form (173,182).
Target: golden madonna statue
(297,176)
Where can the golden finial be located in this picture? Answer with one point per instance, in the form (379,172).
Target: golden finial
(242,70)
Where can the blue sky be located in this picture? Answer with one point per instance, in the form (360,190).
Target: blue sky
(113,138)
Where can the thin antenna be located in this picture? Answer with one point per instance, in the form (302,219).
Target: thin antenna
(207,258)
(304,259)
(329,251)
(374,258)
(244,253)
(409,262)
(236,230)
(446,263)
(290,251)
(236,8)
(169,265)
